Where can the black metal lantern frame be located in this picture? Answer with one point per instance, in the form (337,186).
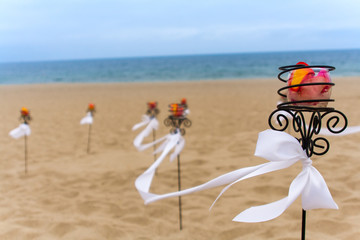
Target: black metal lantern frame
(281,91)
(307,121)
(152,112)
(308,138)
(299,115)
(175,122)
(25,119)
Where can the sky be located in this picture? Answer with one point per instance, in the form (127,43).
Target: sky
(37,30)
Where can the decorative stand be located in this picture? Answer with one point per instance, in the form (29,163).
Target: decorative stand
(152,112)
(306,116)
(25,118)
(175,120)
(91,110)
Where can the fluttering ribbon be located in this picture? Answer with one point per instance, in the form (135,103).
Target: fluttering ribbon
(281,150)
(88,119)
(22,130)
(152,124)
(347,131)
(173,141)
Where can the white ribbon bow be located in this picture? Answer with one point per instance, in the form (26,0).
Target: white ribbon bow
(281,150)
(88,119)
(152,124)
(143,182)
(22,130)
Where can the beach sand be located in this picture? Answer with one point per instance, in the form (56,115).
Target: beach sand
(69,194)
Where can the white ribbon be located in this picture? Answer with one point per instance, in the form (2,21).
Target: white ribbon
(171,141)
(88,119)
(281,150)
(347,131)
(186,112)
(152,124)
(22,130)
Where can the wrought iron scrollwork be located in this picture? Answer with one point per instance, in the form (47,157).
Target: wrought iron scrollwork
(175,123)
(152,110)
(297,108)
(306,119)
(335,122)
(177,119)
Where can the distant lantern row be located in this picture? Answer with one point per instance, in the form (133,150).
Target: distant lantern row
(23,130)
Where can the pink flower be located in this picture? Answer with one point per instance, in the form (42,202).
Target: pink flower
(309,92)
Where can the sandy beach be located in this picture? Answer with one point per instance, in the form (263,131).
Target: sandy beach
(69,194)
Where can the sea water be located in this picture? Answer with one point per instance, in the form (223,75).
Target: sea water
(176,68)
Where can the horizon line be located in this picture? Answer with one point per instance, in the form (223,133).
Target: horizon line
(175,55)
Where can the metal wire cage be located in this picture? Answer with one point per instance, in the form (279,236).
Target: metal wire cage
(306,115)
(177,118)
(302,81)
(152,110)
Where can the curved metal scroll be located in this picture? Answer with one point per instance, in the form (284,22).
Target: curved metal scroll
(335,121)
(175,123)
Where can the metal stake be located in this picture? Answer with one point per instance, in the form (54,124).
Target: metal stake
(154,138)
(179,188)
(25,137)
(88,145)
(303,225)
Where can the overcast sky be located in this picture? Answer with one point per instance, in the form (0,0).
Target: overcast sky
(32,30)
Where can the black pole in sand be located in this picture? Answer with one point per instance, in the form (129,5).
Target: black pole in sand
(303,226)
(179,189)
(88,145)
(25,137)
(154,138)
(175,121)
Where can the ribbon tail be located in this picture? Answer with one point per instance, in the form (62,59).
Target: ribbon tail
(142,147)
(145,120)
(317,194)
(258,170)
(160,148)
(143,182)
(272,210)
(179,147)
(219,181)
(347,131)
(22,130)
(143,134)
(244,173)
(283,152)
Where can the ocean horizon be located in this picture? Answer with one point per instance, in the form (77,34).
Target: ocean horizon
(175,68)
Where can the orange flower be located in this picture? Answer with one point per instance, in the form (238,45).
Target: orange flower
(183,101)
(91,107)
(176,110)
(300,75)
(152,105)
(24,111)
